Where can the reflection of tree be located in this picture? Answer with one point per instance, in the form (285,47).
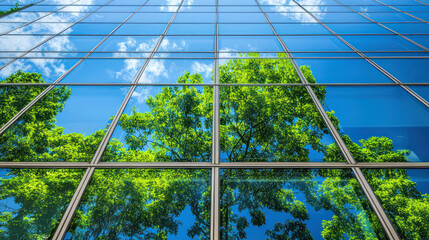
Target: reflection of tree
(272,123)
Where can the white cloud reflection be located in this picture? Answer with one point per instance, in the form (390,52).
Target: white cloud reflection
(49,67)
(284,9)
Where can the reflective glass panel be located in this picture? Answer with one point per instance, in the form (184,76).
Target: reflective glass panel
(165,124)
(403,194)
(307,43)
(144,204)
(380,124)
(343,71)
(407,70)
(67,124)
(14,98)
(50,65)
(170,70)
(187,44)
(294,204)
(381,43)
(249,44)
(144,28)
(32,201)
(309,28)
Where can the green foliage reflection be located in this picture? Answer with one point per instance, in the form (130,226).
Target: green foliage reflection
(269,123)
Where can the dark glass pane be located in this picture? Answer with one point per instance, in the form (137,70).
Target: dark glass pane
(295,204)
(32,201)
(165,124)
(380,124)
(67,124)
(404,196)
(144,204)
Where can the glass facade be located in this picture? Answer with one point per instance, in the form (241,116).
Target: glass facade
(214,119)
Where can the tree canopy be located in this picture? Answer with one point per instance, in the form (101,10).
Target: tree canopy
(257,124)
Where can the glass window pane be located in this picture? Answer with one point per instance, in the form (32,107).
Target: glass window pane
(70,43)
(358,28)
(403,194)
(91,28)
(271,124)
(51,67)
(144,28)
(14,98)
(150,18)
(107,17)
(23,16)
(381,43)
(309,28)
(249,44)
(307,43)
(422,40)
(67,124)
(423,91)
(242,18)
(406,70)
(409,28)
(385,116)
(301,203)
(191,29)
(341,17)
(245,29)
(190,17)
(390,17)
(144,203)
(295,17)
(171,70)
(343,71)
(128,44)
(105,71)
(32,201)
(165,124)
(187,44)
(42,28)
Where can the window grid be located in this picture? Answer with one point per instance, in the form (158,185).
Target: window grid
(216,165)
